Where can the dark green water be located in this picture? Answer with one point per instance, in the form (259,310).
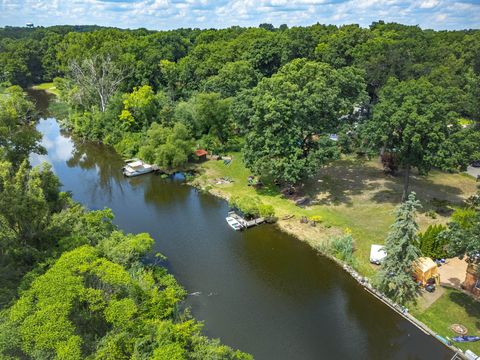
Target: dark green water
(261,290)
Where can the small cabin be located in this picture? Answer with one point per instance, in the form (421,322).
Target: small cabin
(424,269)
(201,154)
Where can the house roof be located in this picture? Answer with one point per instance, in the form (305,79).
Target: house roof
(201,152)
(424,264)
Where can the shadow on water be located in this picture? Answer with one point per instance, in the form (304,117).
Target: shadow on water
(260,290)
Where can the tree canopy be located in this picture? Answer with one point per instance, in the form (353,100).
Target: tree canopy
(231,85)
(18,136)
(294,112)
(415,122)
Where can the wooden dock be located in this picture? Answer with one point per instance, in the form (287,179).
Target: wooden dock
(246,223)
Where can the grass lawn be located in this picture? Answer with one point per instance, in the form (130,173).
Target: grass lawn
(453,307)
(48,87)
(350,194)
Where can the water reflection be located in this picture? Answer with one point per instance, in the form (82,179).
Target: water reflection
(59,148)
(260,290)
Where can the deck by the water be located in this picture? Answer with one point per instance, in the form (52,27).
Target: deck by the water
(245,223)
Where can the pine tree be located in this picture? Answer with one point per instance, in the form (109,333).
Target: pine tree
(396,272)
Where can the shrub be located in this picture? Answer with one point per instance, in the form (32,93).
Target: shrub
(464,217)
(431,214)
(266,211)
(247,205)
(316,218)
(252,207)
(431,244)
(342,247)
(129,145)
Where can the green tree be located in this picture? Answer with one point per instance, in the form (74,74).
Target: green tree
(18,136)
(463,234)
(294,112)
(395,275)
(212,115)
(337,49)
(414,121)
(167,147)
(27,200)
(232,78)
(170,72)
(389,50)
(138,107)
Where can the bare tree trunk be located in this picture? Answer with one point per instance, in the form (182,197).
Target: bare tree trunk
(406,182)
(98,78)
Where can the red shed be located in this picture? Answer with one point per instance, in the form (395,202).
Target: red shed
(201,154)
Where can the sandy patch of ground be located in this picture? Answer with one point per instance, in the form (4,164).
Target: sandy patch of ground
(452,273)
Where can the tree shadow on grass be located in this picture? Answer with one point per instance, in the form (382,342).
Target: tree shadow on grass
(340,182)
(471,306)
(268,189)
(349,180)
(433,196)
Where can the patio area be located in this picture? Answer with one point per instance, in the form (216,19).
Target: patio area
(452,273)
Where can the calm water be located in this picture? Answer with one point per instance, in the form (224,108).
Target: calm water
(261,290)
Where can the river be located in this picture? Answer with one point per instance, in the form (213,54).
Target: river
(261,290)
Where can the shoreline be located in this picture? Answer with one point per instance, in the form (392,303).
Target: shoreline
(283,225)
(361,280)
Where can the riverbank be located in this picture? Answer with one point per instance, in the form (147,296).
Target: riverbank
(349,195)
(335,218)
(357,197)
(243,285)
(47,87)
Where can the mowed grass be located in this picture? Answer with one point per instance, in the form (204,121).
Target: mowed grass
(48,87)
(349,194)
(453,307)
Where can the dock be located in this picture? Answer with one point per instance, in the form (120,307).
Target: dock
(246,223)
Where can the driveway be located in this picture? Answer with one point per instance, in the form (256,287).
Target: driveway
(452,273)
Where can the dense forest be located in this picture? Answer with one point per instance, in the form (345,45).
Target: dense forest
(290,99)
(72,285)
(277,94)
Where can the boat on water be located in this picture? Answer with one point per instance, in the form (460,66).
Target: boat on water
(233,223)
(136,167)
(466,338)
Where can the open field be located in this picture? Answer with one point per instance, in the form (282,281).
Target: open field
(48,87)
(453,307)
(350,194)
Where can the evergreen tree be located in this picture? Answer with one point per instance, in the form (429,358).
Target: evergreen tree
(396,271)
(431,244)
